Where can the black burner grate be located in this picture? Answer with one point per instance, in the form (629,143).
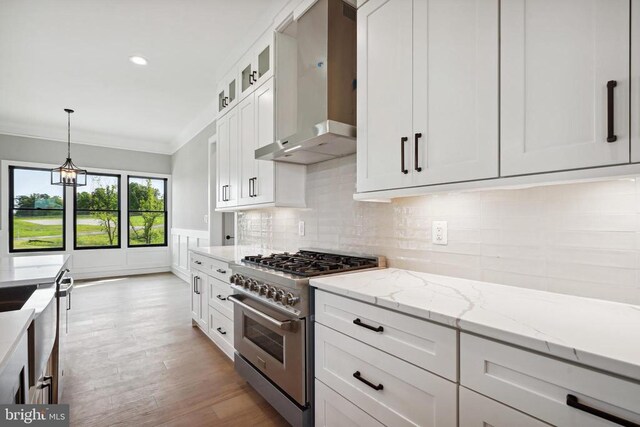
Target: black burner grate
(308,263)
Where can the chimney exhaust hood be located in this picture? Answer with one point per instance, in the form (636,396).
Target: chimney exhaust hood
(315,86)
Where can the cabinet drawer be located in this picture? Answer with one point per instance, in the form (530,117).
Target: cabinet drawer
(218,293)
(220,326)
(425,344)
(220,270)
(479,411)
(199,262)
(333,410)
(539,385)
(391,390)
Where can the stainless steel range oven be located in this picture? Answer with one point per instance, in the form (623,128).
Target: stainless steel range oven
(274,343)
(273,329)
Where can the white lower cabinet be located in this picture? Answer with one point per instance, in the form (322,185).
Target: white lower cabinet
(221,331)
(367,373)
(477,410)
(211,310)
(333,410)
(383,386)
(554,391)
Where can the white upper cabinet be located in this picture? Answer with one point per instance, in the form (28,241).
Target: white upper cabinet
(227,160)
(455,90)
(427,92)
(384,94)
(244,182)
(227,93)
(246,147)
(256,122)
(263,187)
(256,67)
(635,81)
(564,84)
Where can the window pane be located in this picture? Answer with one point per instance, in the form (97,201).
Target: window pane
(146,228)
(146,194)
(96,228)
(100,193)
(32,189)
(37,230)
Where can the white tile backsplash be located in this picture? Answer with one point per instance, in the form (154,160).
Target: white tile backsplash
(580,239)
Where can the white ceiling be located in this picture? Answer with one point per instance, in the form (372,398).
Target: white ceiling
(74,53)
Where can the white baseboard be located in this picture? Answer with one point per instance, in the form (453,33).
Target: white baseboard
(181,273)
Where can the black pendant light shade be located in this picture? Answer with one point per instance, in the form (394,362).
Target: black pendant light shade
(69,174)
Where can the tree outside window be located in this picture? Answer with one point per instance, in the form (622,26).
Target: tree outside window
(147,211)
(97,212)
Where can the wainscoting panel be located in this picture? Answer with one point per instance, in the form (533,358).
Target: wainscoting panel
(181,241)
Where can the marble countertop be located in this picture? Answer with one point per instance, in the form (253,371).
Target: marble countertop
(230,253)
(13,325)
(30,270)
(596,333)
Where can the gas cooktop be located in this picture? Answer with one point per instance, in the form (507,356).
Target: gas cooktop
(306,263)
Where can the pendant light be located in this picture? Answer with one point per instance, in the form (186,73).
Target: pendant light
(69,174)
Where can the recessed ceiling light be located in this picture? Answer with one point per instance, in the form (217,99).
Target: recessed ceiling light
(138,60)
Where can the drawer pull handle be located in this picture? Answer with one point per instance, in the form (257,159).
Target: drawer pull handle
(221,331)
(573,402)
(611,134)
(221,298)
(364,325)
(199,262)
(357,376)
(221,271)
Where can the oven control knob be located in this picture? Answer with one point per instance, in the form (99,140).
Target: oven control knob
(248,283)
(254,285)
(262,289)
(289,299)
(278,295)
(271,291)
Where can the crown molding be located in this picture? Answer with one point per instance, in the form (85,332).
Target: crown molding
(53,133)
(271,19)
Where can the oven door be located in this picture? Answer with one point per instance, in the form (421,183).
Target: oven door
(272,342)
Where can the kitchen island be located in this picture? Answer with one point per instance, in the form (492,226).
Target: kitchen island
(31,270)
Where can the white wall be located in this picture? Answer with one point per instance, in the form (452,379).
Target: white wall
(191,175)
(580,239)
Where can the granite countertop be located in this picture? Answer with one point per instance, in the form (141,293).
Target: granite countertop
(230,253)
(30,270)
(13,325)
(596,333)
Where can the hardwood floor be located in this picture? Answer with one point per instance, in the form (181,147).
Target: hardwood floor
(133,359)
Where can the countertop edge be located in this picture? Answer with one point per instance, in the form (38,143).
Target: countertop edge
(30,314)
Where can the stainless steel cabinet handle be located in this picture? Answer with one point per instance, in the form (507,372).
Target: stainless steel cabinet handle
(221,331)
(198,262)
(221,271)
(221,298)
(285,326)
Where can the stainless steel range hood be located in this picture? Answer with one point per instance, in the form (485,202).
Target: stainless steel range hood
(315,86)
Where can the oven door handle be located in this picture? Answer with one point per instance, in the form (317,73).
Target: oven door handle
(285,326)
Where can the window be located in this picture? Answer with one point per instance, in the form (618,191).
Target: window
(147,211)
(96,219)
(36,211)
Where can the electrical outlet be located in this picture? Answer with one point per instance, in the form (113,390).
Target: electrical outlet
(439,232)
(206,219)
(301,228)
